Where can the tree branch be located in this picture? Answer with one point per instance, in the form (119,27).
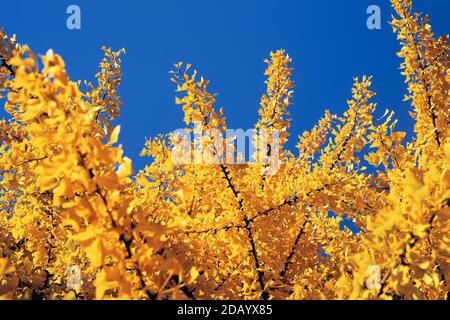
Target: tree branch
(7,66)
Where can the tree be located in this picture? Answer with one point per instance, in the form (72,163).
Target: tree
(211,229)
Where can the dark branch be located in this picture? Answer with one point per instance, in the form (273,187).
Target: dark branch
(291,254)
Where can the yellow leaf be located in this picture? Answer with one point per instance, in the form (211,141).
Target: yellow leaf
(114,135)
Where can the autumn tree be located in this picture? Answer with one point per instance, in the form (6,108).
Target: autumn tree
(193,224)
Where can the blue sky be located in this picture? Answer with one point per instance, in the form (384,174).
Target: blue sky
(226,41)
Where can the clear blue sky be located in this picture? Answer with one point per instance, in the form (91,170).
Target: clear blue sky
(226,41)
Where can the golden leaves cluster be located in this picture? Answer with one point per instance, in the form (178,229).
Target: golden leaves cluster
(216,230)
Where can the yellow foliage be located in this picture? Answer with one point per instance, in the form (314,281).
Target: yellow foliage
(76,224)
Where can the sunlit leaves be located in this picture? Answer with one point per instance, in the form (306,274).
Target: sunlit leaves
(359,213)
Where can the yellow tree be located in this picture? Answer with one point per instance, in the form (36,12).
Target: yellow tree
(200,222)
(67,199)
(408,237)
